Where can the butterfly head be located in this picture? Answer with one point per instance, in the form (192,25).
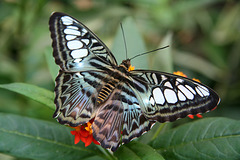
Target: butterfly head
(126,65)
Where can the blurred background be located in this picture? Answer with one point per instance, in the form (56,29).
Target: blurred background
(204,39)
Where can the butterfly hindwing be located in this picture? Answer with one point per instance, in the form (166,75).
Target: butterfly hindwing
(134,121)
(167,97)
(107,123)
(120,119)
(76,94)
(75,47)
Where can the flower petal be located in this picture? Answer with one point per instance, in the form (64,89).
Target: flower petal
(77,138)
(96,142)
(199,115)
(73,132)
(191,116)
(180,74)
(89,141)
(84,139)
(197,80)
(84,133)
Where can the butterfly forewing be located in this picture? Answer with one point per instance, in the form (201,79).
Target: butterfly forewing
(168,97)
(124,104)
(75,47)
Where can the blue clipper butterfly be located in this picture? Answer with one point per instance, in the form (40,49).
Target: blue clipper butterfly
(125,104)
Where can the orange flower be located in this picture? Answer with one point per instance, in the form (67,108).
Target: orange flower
(84,133)
(197,80)
(180,74)
(192,116)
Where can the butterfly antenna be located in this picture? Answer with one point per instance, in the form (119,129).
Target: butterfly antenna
(124,39)
(149,52)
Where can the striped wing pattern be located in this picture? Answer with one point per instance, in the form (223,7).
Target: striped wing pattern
(125,104)
(75,96)
(75,47)
(120,117)
(167,97)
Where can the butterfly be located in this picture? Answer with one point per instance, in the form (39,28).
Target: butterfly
(124,103)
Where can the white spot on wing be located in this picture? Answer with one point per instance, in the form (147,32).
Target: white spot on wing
(78,75)
(75,44)
(72,27)
(158,96)
(94,40)
(70,37)
(176,83)
(170,96)
(79,53)
(190,88)
(168,84)
(186,92)
(204,90)
(180,80)
(77,62)
(163,77)
(181,97)
(97,48)
(72,32)
(154,77)
(86,41)
(67,20)
(199,92)
(84,30)
(152,101)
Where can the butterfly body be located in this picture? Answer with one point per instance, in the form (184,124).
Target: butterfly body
(106,90)
(124,103)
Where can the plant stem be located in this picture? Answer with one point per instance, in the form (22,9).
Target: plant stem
(158,131)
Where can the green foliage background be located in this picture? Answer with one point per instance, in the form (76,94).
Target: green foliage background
(204,39)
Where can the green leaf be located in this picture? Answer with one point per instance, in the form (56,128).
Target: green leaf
(208,139)
(134,42)
(137,151)
(53,68)
(36,139)
(36,93)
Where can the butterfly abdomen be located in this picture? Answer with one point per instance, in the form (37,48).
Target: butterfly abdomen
(106,91)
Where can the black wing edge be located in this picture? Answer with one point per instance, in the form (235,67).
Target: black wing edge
(54,19)
(210,103)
